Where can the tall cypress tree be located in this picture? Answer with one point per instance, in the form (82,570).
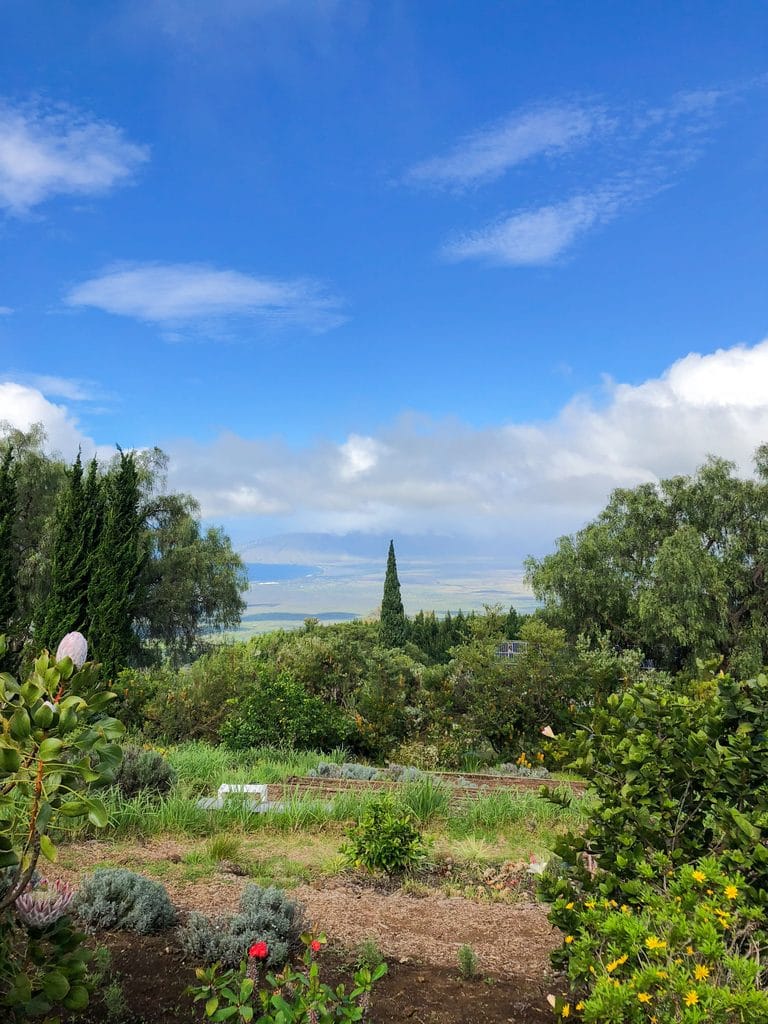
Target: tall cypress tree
(114,593)
(63,608)
(93,524)
(394,626)
(8,596)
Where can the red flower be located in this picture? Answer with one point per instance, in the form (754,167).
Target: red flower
(315,946)
(259,951)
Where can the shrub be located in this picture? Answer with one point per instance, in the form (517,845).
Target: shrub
(115,898)
(279,711)
(677,769)
(385,839)
(56,744)
(191,703)
(265,915)
(675,952)
(143,771)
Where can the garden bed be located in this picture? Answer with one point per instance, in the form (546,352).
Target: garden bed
(462,785)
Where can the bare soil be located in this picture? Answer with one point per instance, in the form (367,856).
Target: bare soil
(418,934)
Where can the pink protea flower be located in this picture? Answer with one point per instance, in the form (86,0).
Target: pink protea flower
(43,904)
(547,731)
(75,647)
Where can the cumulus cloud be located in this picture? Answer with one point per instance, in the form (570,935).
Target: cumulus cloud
(22,406)
(523,479)
(45,152)
(178,294)
(488,153)
(514,484)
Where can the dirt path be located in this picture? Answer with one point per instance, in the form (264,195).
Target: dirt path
(510,940)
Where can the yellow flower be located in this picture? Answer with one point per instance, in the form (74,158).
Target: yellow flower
(569,906)
(612,966)
(566,1010)
(662,974)
(653,943)
(623,958)
(625,909)
(691,998)
(689,950)
(569,939)
(731,892)
(710,892)
(590,904)
(644,997)
(701,972)
(580,1006)
(699,876)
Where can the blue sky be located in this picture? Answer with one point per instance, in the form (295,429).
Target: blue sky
(444,271)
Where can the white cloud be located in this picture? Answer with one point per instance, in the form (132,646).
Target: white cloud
(5,311)
(486,154)
(45,152)
(528,481)
(637,153)
(22,406)
(536,237)
(515,486)
(184,293)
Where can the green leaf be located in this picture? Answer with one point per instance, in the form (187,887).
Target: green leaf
(77,999)
(97,813)
(20,724)
(50,749)
(55,986)
(211,1006)
(47,849)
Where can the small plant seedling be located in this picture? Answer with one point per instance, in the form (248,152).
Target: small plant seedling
(468,962)
(369,955)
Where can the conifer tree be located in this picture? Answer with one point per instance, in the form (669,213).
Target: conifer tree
(8,609)
(114,592)
(394,626)
(63,608)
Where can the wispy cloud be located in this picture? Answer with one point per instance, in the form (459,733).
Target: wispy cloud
(71,389)
(183,294)
(536,237)
(638,153)
(488,153)
(5,311)
(50,151)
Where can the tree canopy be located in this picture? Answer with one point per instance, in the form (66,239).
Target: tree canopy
(108,552)
(394,628)
(677,569)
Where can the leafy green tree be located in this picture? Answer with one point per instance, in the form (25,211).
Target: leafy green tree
(394,626)
(64,609)
(676,569)
(8,601)
(114,592)
(193,580)
(39,480)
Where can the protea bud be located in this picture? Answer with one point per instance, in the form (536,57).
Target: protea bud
(44,903)
(75,647)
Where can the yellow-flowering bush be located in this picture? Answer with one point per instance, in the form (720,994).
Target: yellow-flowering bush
(686,948)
